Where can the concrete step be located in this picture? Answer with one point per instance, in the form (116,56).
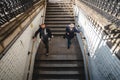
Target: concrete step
(57,65)
(59,76)
(58,62)
(57,4)
(58,72)
(57,26)
(61,57)
(57,29)
(59,22)
(62,6)
(58,79)
(59,13)
(58,33)
(81,68)
(60,3)
(59,10)
(59,16)
(59,19)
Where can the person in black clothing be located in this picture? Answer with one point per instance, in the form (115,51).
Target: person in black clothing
(45,35)
(70,30)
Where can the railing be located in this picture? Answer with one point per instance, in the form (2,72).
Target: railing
(112,32)
(29,76)
(98,35)
(110,6)
(9,9)
(11,27)
(83,44)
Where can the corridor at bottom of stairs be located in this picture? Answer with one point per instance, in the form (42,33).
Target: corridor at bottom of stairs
(61,63)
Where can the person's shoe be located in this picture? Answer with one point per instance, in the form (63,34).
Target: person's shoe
(46,54)
(68,47)
(63,37)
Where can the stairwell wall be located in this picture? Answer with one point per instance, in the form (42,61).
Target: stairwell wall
(102,63)
(14,65)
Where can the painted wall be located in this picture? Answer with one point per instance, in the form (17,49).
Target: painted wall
(103,65)
(14,65)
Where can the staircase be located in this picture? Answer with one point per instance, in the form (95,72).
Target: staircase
(58,16)
(62,63)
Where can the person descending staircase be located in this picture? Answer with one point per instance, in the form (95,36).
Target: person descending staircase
(62,63)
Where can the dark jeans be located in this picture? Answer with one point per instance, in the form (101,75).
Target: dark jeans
(68,43)
(46,42)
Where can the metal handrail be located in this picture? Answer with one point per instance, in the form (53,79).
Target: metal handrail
(85,51)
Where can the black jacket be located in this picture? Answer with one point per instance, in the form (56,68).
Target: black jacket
(71,32)
(49,35)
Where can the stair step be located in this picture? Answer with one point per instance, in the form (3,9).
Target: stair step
(57,29)
(58,68)
(59,22)
(56,26)
(60,3)
(58,79)
(58,62)
(61,76)
(62,6)
(58,72)
(59,13)
(59,7)
(58,33)
(60,57)
(59,19)
(64,10)
(57,65)
(59,16)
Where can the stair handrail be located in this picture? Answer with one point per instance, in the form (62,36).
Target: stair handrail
(85,51)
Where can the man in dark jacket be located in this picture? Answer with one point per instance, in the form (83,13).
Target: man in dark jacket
(45,35)
(70,30)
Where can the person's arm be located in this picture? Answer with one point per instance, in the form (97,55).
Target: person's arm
(49,33)
(76,30)
(67,30)
(36,33)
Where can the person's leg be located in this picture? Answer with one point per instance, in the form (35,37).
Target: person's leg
(69,43)
(46,46)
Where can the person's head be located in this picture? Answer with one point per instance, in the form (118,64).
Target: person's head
(42,26)
(71,25)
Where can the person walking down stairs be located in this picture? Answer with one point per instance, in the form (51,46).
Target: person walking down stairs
(70,30)
(45,35)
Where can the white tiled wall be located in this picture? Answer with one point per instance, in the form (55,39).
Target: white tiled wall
(13,64)
(103,65)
